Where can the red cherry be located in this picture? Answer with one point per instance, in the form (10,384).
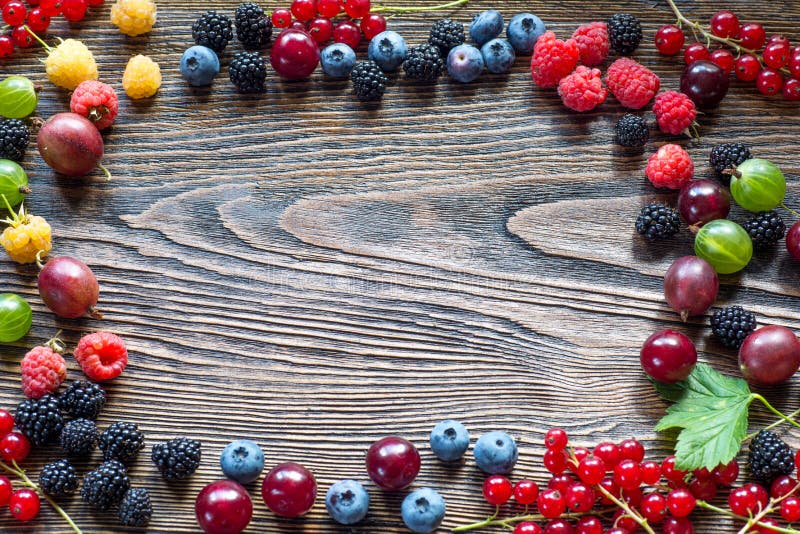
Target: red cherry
(393,463)
(6,423)
(329,8)
(668,356)
(723,58)
(669,39)
(776,55)
(497,490)
(320,29)
(747,67)
(793,246)
(304,10)
(725,24)
(289,490)
(356,9)
(294,54)
(281,18)
(526,492)
(223,507)
(695,52)
(38,21)
(6,489)
(21,37)
(372,25)
(24,504)
(74,10)
(769,82)
(14,13)
(348,33)
(51,8)
(14,447)
(6,46)
(752,36)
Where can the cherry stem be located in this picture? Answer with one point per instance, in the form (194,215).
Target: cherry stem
(399,10)
(45,45)
(790,210)
(18,471)
(768,406)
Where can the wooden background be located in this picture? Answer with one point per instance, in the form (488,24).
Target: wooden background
(312,274)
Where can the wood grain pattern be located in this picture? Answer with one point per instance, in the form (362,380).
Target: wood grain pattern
(312,274)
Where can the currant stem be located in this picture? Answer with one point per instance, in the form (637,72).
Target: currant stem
(722,511)
(772,409)
(398,10)
(45,45)
(627,509)
(492,521)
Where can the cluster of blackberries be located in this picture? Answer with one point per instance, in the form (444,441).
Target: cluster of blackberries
(14,137)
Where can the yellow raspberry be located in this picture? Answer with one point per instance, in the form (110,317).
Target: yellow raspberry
(142,77)
(27,236)
(70,63)
(133,17)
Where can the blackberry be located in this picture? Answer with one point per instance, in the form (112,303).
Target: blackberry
(248,72)
(104,487)
(769,457)
(253,26)
(178,458)
(658,221)
(632,130)
(58,479)
(83,399)
(135,509)
(14,137)
(445,35)
(624,33)
(213,30)
(369,81)
(40,419)
(121,441)
(79,437)
(765,229)
(731,325)
(727,156)
(423,62)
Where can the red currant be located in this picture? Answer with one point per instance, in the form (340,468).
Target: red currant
(51,8)
(794,61)
(726,474)
(609,453)
(748,499)
(781,486)
(6,50)
(752,36)
(328,8)
(526,492)
(372,25)
(631,449)
(723,59)
(356,9)
(790,509)
(14,447)
(561,483)
(623,521)
(763,529)
(393,463)
(747,67)
(579,497)
(669,472)
(281,18)
(791,89)
(681,502)
(38,21)
(589,524)
(320,29)
(551,503)
(24,504)
(556,438)
(74,10)
(725,24)
(776,55)
(21,37)
(654,507)
(297,25)
(702,473)
(778,38)
(617,530)
(703,488)
(5,490)
(632,496)
(95,3)
(591,470)
(528,527)
(669,39)
(289,490)
(559,526)
(348,33)
(14,13)
(608,485)
(627,474)
(555,460)
(769,82)
(497,490)
(304,10)
(695,52)
(580,453)
(676,525)
(651,472)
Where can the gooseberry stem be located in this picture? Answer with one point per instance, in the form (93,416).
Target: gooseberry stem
(103,168)
(418,9)
(790,210)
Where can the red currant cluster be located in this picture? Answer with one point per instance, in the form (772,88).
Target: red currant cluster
(315,17)
(37,16)
(24,503)
(775,70)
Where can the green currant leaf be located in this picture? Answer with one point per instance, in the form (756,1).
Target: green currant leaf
(711,410)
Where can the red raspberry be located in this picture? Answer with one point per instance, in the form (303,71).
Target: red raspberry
(97,101)
(592,40)
(670,167)
(675,112)
(633,84)
(583,89)
(553,59)
(101,355)
(43,370)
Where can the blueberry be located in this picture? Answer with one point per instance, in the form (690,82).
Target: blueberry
(338,60)
(486,26)
(498,54)
(199,65)
(242,460)
(496,453)
(423,510)
(523,31)
(450,439)
(388,49)
(347,502)
(465,63)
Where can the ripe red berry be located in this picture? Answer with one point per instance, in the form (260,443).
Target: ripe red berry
(14,447)
(747,67)
(560,483)
(654,508)
(776,55)
(579,497)
(633,496)
(766,523)
(38,21)
(281,18)
(608,485)
(6,46)
(781,486)
(526,492)
(797,460)
(348,33)
(752,36)
(528,527)
(677,525)
(669,39)
(14,13)
(551,503)
(356,9)
(497,490)
(591,470)
(372,25)
(681,502)
(21,37)
(794,61)
(695,52)
(320,29)
(556,438)
(609,453)
(669,472)
(723,58)
(651,472)
(589,524)
(791,89)
(297,25)
(627,475)
(95,3)
(703,488)
(747,499)
(580,453)
(555,460)
(6,489)
(51,8)
(328,8)
(289,490)
(769,82)
(559,526)
(625,522)
(778,38)
(24,504)
(6,423)
(74,10)
(631,449)
(393,463)
(726,474)
(790,509)
(304,10)
(725,24)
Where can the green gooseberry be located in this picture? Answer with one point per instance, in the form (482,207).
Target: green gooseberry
(15,317)
(725,245)
(18,97)
(758,185)
(13,182)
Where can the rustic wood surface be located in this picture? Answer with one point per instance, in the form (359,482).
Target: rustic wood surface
(314,274)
